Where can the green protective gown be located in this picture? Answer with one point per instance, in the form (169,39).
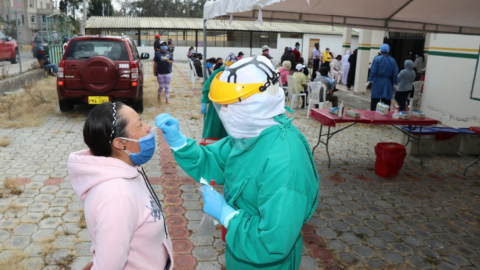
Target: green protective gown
(274,186)
(212,125)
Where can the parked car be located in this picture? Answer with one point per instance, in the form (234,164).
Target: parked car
(40,40)
(98,69)
(8,49)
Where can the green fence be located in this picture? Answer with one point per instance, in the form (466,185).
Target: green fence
(55,53)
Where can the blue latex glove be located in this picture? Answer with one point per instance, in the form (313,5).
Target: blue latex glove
(204,108)
(215,205)
(170,130)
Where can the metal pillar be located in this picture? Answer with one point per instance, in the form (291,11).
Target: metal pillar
(18,38)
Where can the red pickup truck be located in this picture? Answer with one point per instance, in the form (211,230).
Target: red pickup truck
(8,49)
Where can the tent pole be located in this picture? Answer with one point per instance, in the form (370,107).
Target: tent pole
(205,51)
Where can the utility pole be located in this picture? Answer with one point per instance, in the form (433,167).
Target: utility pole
(84,21)
(19,56)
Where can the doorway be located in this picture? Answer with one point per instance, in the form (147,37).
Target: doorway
(401,44)
(311,45)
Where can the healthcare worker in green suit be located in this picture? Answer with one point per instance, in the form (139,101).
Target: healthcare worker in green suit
(265,164)
(212,126)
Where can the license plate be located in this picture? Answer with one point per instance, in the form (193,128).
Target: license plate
(98,99)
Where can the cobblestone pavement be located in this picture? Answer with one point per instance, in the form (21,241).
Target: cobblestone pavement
(425,218)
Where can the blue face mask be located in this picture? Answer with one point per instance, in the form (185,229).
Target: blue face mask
(163,48)
(147,148)
(298,47)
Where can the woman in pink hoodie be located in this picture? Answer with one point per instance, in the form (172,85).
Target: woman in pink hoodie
(123,214)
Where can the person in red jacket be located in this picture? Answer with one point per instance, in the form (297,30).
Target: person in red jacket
(296,51)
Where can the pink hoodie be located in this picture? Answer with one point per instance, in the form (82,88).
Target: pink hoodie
(125,233)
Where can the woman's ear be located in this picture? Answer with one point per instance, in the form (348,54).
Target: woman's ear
(118,144)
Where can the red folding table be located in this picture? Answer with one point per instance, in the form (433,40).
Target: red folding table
(369,117)
(476,130)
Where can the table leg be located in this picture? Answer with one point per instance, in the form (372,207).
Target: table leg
(418,146)
(319,139)
(328,153)
(409,134)
(465,172)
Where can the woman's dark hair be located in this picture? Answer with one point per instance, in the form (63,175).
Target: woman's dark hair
(212,60)
(423,57)
(339,57)
(104,123)
(219,58)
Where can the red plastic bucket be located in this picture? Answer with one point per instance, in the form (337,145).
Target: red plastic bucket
(390,157)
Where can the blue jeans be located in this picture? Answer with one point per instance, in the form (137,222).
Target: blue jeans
(49,66)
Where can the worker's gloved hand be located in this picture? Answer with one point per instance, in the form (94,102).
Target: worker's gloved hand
(215,205)
(170,130)
(204,108)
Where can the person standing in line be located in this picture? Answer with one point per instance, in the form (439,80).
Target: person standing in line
(316,60)
(161,70)
(419,65)
(406,78)
(383,75)
(171,48)
(156,43)
(336,68)
(353,67)
(346,67)
(197,63)
(284,55)
(291,57)
(265,52)
(327,58)
(65,44)
(296,51)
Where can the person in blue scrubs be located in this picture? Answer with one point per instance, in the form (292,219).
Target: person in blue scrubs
(383,75)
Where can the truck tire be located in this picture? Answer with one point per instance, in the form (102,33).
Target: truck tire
(15,59)
(65,105)
(138,105)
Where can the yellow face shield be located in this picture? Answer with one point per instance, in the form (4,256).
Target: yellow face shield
(228,63)
(227,93)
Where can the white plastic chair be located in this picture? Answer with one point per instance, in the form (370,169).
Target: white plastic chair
(315,93)
(417,95)
(193,74)
(292,84)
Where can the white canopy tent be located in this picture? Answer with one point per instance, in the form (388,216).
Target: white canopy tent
(432,16)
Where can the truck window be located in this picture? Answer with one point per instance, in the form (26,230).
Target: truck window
(84,49)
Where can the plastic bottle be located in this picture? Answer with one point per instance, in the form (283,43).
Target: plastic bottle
(340,110)
(395,114)
(410,107)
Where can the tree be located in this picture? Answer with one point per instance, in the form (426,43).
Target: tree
(162,8)
(9,28)
(100,8)
(71,6)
